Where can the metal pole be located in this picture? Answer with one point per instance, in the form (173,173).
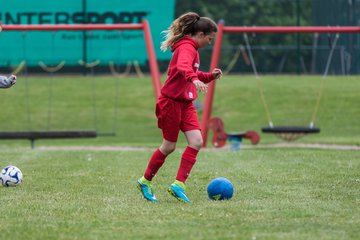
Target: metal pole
(154,68)
(84,40)
(210,94)
(298,37)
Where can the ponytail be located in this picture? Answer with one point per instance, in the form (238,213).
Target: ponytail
(187,24)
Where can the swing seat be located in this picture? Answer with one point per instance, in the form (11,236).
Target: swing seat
(35,135)
(290,133)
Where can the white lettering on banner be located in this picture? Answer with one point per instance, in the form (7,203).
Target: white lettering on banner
(70,46)
(68,18)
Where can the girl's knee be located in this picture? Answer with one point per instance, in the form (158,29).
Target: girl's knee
(196,143)
(167,148)
(194,139)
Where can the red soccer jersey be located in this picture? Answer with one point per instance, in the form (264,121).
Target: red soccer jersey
(183,70)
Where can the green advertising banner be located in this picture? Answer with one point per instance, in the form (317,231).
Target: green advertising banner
(52,47)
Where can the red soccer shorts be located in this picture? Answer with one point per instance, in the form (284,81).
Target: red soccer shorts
(174,116)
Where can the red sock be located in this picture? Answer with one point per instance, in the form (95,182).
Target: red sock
(155,162)
(188,160)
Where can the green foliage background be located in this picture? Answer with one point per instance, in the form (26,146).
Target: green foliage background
(297,48)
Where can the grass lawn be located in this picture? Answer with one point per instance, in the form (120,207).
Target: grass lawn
(279,194)
(91,194)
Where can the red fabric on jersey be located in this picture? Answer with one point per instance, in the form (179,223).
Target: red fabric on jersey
(183,70)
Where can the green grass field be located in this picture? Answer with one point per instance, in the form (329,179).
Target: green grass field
(92,102)
(280,193)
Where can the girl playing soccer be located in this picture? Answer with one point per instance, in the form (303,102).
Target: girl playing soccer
(174,108)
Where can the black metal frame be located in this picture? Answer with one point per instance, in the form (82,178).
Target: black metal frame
(35,135)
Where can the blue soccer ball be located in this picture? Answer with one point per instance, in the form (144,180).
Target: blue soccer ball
(220,189)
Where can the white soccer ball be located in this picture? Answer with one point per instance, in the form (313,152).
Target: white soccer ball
(11,176)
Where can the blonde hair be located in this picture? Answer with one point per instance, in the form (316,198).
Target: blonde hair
(187,24)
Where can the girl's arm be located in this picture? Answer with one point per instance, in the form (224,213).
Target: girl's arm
(208,77)
(184,63)
(205,77)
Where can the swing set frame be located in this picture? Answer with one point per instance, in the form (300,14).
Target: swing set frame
(222,29)
(153,65)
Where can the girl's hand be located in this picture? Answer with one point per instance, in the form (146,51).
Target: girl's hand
(217,73)
(200,86)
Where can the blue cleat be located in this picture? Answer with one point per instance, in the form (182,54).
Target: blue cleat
(177,189)
(145,188)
